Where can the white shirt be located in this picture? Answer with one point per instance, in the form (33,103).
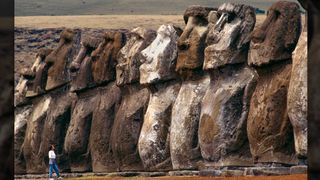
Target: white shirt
(52,155)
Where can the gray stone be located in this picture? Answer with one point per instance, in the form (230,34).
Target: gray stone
(297,96)
(183,173)
(266,171)
(299,170)
(184,146)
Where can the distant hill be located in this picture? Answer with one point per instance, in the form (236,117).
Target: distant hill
(119,7)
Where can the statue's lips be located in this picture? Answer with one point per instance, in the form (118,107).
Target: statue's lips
(215,58)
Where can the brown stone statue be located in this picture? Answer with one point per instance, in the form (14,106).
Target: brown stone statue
(59,59)
(297,95)
(225,106)
(32,81)
(82,64)
(184,146)
(105,57)
(269,129)
(158,71)
(129,118)
(103,69)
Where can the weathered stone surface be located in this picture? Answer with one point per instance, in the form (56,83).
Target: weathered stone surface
(154,146)
(277,37)
(159,58)
(299,170)
(269,129)
(224,111)
(102,122)
(229,39)
(105,57)
(266,171)
(191,43)
(76,144)
(55,127)
(184,146)
(183,173)
(127,125)
(127,69)
(33,135)
(81,65)
(297,96)
(60,58)
(20,125)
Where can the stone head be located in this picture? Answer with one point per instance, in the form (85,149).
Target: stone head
(127,69)
(159,58)
(277,37)
(228,40)
(59,59)
(105,56)
(80,67)
(191,43)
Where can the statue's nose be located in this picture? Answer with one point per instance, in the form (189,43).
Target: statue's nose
(220,23)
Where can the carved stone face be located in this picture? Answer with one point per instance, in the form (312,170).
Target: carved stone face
(228,40)
(59,58)
(105,57)
(277,37)
(81,65)
(127,69)
(191,43)
(159,58)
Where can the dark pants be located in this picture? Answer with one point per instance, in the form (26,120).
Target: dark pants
(55,168)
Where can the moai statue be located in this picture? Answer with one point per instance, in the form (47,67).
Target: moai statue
(158,72)
(76,144)
(33,135)
(129,117)
(103,69)
(184,146)
(269,129)
(59,59)
(32,81)
(20,125)
(225,106)
(81,65)
(297,95)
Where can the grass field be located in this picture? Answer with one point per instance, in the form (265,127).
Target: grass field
(104,21)
(120,7)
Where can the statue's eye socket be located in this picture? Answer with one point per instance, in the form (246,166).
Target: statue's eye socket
(231,17)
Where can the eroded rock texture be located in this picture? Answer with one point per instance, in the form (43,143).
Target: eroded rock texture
(81,65)
(225,106)
(105,57)
(33,135)
(101,127)
(191,43)
(76,144)
(269,129)
(277,37)
(228,41)
(297,95)
(159,62)
(184,146)
(20,125)
(224,111)
(60,58)
(127,125)
(127,69)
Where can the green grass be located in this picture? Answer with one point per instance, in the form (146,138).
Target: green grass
(108,7)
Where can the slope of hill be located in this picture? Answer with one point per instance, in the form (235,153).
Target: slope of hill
(108,7)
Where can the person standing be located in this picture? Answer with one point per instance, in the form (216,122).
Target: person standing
(52,163)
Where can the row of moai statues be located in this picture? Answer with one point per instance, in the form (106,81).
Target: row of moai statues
(218,93)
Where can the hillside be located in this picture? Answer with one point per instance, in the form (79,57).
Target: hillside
(120,7)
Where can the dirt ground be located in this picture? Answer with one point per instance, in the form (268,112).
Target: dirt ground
(290,177)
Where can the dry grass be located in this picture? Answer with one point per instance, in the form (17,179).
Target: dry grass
(104,21)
